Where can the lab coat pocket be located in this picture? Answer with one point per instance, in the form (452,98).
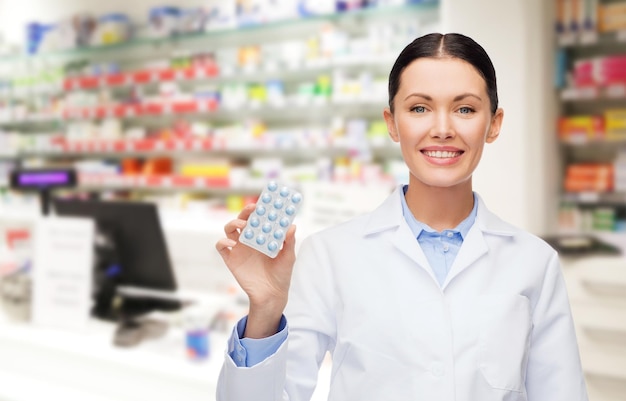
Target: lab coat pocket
(364,374)
(504,340)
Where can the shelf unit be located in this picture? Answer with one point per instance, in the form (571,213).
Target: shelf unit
(214,90)
(596,206)
(590,94)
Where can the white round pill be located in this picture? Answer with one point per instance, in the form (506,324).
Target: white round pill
(279,234)
(254,221)
(272,246)
(284,222)
(284,191)
(290,210)
(267,227)
(296,198)
(266,198)
(260,239)
(272,186)
(260,210)
(272,215)
(278,203)
(249,234)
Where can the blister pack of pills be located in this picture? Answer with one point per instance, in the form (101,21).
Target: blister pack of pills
(267,225)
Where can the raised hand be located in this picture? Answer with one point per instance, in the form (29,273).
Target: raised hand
(265,280)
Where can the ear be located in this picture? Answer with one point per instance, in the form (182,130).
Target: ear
(391,125)
(494,128)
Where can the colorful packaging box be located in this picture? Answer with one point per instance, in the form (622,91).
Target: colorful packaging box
(615,121)
(585,128)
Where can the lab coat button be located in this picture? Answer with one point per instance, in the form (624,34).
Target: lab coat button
(437,369)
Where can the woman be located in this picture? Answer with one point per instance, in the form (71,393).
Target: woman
(428,297)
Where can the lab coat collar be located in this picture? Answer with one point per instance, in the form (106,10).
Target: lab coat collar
(388,217)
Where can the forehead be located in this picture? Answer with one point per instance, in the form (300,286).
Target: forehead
(441,75)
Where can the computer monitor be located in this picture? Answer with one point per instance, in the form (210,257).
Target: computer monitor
(140,248)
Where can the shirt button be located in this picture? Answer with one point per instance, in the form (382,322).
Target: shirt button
(437,369)
(446,248)
(450,234)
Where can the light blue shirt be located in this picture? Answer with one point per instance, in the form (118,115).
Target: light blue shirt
(440,249)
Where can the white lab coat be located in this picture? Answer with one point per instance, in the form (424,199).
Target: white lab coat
(499,329)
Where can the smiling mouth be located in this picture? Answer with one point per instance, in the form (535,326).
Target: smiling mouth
(442,154)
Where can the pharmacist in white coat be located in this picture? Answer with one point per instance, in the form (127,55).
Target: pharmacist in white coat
(430,297)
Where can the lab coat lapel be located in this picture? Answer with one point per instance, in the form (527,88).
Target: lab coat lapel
(406,243)
(475,244)
(388,221)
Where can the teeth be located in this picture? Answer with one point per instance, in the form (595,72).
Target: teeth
(441,154)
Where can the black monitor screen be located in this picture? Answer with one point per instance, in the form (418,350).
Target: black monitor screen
(139,238)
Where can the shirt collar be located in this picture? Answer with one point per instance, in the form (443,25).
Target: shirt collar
(417,226)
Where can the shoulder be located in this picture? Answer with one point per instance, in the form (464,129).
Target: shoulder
(525,241)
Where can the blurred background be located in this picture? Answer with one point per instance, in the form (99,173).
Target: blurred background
(194,105)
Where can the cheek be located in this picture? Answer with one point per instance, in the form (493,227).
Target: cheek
(414,127)
(474,130)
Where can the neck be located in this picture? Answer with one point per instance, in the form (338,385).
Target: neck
(440,208)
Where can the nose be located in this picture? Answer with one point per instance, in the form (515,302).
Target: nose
(442,127)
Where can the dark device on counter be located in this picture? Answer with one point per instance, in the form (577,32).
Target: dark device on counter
(575,245)
(130,251)
(42,181)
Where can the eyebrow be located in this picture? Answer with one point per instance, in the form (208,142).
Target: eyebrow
(456,98)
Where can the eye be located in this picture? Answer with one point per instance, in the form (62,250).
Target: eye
(419,109)
(466,110)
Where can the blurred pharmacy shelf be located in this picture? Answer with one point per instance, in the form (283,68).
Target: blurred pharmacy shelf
(591,96)
(299,97)
(591,128)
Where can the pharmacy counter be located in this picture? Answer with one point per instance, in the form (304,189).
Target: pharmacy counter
(39,363)
(597,291)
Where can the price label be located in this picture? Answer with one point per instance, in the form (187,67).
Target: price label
(567,39)
(199,183)
(166,182)
(617,91)
(167,108)
(588,38)
(579,139)
(589,197)
(179,75)
(587,93)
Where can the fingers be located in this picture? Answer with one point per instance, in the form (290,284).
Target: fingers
(233,227)
(245,212)
(224,246)
(289,246)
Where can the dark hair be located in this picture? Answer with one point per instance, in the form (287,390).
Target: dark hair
(454,45)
